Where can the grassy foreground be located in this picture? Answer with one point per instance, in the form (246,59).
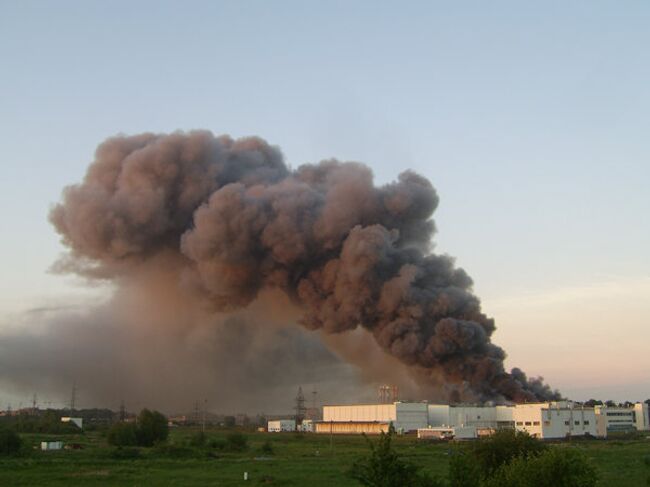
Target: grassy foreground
(300,460)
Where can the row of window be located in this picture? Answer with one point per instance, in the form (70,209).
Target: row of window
(548,423)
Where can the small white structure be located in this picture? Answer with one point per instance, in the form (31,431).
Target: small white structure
(447,433)
(51,445)
(307,426)
(280,425)
(76,421)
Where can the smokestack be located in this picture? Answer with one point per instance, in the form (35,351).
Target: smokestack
(235,220)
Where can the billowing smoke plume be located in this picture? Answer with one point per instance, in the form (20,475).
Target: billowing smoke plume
(229,219)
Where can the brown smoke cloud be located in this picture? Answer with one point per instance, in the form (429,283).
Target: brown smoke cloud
(228,220)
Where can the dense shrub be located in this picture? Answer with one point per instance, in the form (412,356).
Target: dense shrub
(10,442)
(152,428)
(236,442)
(464,470)
(502,447)
(198,439)
(217,444)
(174,451)
(556,467)
(122,434)
(266,448)
(384,468)
(125,453)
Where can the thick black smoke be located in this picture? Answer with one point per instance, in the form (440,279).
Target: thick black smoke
(234,220)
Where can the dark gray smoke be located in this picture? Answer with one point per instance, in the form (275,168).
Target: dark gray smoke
(229,219)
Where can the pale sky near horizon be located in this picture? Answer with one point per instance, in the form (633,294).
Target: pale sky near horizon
(531,119)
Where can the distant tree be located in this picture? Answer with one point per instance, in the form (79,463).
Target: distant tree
(610,404)
(122,434)
(10,442)
(260,420)
(152,428)
(593,402)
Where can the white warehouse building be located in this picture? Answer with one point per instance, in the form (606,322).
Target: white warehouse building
(374,418)
(545,420)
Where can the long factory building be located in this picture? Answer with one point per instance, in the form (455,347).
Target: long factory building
(547,420)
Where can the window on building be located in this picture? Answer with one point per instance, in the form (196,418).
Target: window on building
(577,423)
(535,423)
(520,423)
(527,423)
(586,422)
(547,423)
(566,423)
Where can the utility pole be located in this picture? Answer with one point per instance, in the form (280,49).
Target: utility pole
(205,406)
(122,411)
(34,404)
(73,397)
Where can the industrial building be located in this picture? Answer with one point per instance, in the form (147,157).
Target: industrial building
(374,418)
(612,419)
(544,420)
(557,419)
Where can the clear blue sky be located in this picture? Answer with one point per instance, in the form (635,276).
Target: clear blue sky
(532,119)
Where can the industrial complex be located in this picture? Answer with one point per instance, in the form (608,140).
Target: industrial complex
(544,420)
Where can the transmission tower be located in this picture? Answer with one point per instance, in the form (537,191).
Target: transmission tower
(300,407)
(196,415)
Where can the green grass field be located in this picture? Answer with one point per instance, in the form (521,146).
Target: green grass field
(300,460)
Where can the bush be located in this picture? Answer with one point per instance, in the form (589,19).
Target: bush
(384,468)
(174,451)
(128,453)
(152,428)
(217,444)
(236,442)
(267,448)
(10,442)
(502,447)
(198,439)
(464,470)
(556,467)
(122,434)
